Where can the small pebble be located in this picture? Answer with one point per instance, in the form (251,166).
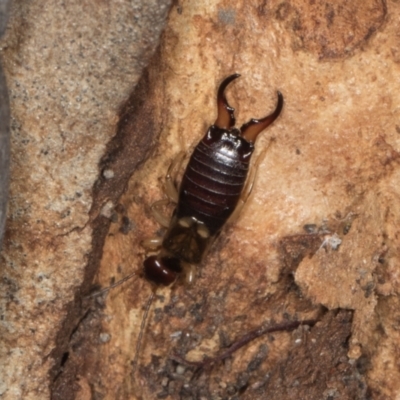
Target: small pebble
(105,337)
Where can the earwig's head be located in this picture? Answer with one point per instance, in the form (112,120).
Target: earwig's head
(162,270)
(226,119)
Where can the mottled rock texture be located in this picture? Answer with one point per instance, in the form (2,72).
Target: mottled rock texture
(4,128)
(318,238)
(69,66)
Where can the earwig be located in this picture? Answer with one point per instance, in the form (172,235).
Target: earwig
(212,186)
(210,190)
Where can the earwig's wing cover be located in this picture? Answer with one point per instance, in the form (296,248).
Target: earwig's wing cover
(250,130)
(225,119)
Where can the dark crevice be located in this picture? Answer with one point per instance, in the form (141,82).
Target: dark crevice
(125,152)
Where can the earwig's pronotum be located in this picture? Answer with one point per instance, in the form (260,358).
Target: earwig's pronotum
(212,185)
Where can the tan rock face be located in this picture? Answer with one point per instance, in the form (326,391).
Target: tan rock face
(4,129)
(319,233)
(68,65)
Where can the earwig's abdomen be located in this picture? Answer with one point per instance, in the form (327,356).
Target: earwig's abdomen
(214,178)
(209,193)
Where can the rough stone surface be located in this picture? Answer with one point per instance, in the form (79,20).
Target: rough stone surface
(4,129)
(4,151)
(317,362)
(319,234)
(69,66)
(4,11)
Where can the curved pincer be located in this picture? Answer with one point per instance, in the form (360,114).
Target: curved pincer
(225,119)
(250,130)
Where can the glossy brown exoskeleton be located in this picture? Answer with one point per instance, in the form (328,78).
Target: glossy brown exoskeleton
(210,190)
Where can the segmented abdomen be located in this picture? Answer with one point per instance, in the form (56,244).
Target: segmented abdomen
(212,184)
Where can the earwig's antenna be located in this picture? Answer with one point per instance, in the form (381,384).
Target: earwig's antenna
(142,328)
(105,290)
(144,318)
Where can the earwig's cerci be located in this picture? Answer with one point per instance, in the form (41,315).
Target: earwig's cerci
(210,190)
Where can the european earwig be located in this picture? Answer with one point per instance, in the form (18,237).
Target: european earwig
(211,187)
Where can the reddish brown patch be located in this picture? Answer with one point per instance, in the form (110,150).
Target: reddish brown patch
(318,367)
(330,29)
(294,248)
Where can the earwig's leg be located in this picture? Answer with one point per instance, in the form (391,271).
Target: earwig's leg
(170,188)
(190,271)
(158,215)
(153,243)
